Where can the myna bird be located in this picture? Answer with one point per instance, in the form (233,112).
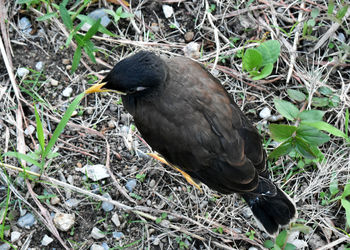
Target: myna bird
(185,114)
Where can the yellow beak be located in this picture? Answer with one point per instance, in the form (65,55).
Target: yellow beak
(97,88)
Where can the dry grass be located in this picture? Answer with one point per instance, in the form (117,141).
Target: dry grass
(89,138)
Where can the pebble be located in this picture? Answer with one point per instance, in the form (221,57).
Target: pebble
(189,36)
(167,10)
(96,247)
(67,92)
(156,241)
(95,188)
(22,72)
(115,220)
(105,246)
(65,61)
(107,206)
(97,234)
(39,66)
(247,213)
(265,113)
(98,14)
(46,240)
(5,246)
(152,183)
(94,172)
(71,203)
(253,248)
(26,221)
(15,236)
(192,50)
(54,83)
(29,130)
(130,185)
(64,222)
(165,223)
(341,37)
(55,200)
(111,124)
(24,25)
(117,235)
(89,111)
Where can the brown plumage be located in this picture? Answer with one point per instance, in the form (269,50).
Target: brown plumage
(186,115)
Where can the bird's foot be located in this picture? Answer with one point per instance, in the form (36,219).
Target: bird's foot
(185,175)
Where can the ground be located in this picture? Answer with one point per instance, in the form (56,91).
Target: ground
(163,211)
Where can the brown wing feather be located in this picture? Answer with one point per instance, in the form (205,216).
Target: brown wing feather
(197,126)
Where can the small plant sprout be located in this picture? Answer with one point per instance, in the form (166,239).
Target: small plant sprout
(258,62)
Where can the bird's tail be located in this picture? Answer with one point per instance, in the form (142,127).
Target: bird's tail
(271,207)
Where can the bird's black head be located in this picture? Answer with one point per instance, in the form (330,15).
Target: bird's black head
(135,74)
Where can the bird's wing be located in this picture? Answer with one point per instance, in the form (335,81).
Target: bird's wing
(197,126)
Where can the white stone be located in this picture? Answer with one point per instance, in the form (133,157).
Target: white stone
(67,92)
(46,240)
(22,72)
(15,236)
(54,82)
(64,222)
(97,234)
(96,247)
(94,172)
(29,130)
(39,66)
(167,10)
(115,220)
(265,113)
(192,50)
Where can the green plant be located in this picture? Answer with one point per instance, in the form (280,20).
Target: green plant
(141,177)
(219,230)
(305,136)
(280,242)
(118,14)
(44,153)
(162,217)
(343,197)
(250,234)
(258,62)
(181,240)
(340,13)
(308,26)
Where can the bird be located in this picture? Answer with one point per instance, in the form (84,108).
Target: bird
(185,114)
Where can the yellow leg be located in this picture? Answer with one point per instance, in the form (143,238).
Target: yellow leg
(187,177)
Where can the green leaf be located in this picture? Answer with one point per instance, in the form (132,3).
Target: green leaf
(268,244)
(296,95)
(290,246)
(89,49)
(158,220)
(311,115)
(24,157)
(315,12)
(320,101)
(92,21)
(286,109)
(341,13)
(266,71)
(282,149)
(119,11)
(347,120)
(73,32)
(66,17)
(252,59)
(126,15)
(63,123)
(330,7)
(92,31)
(39,129)
(312,135)
(281,132)
(303,148)
(346,192)
(346,205)
(321,125)
(281,238)
(333,186)
(334,101)
(301,228)
(52,155)
(46,16)
(76,59)
(270,51)
(325,91)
